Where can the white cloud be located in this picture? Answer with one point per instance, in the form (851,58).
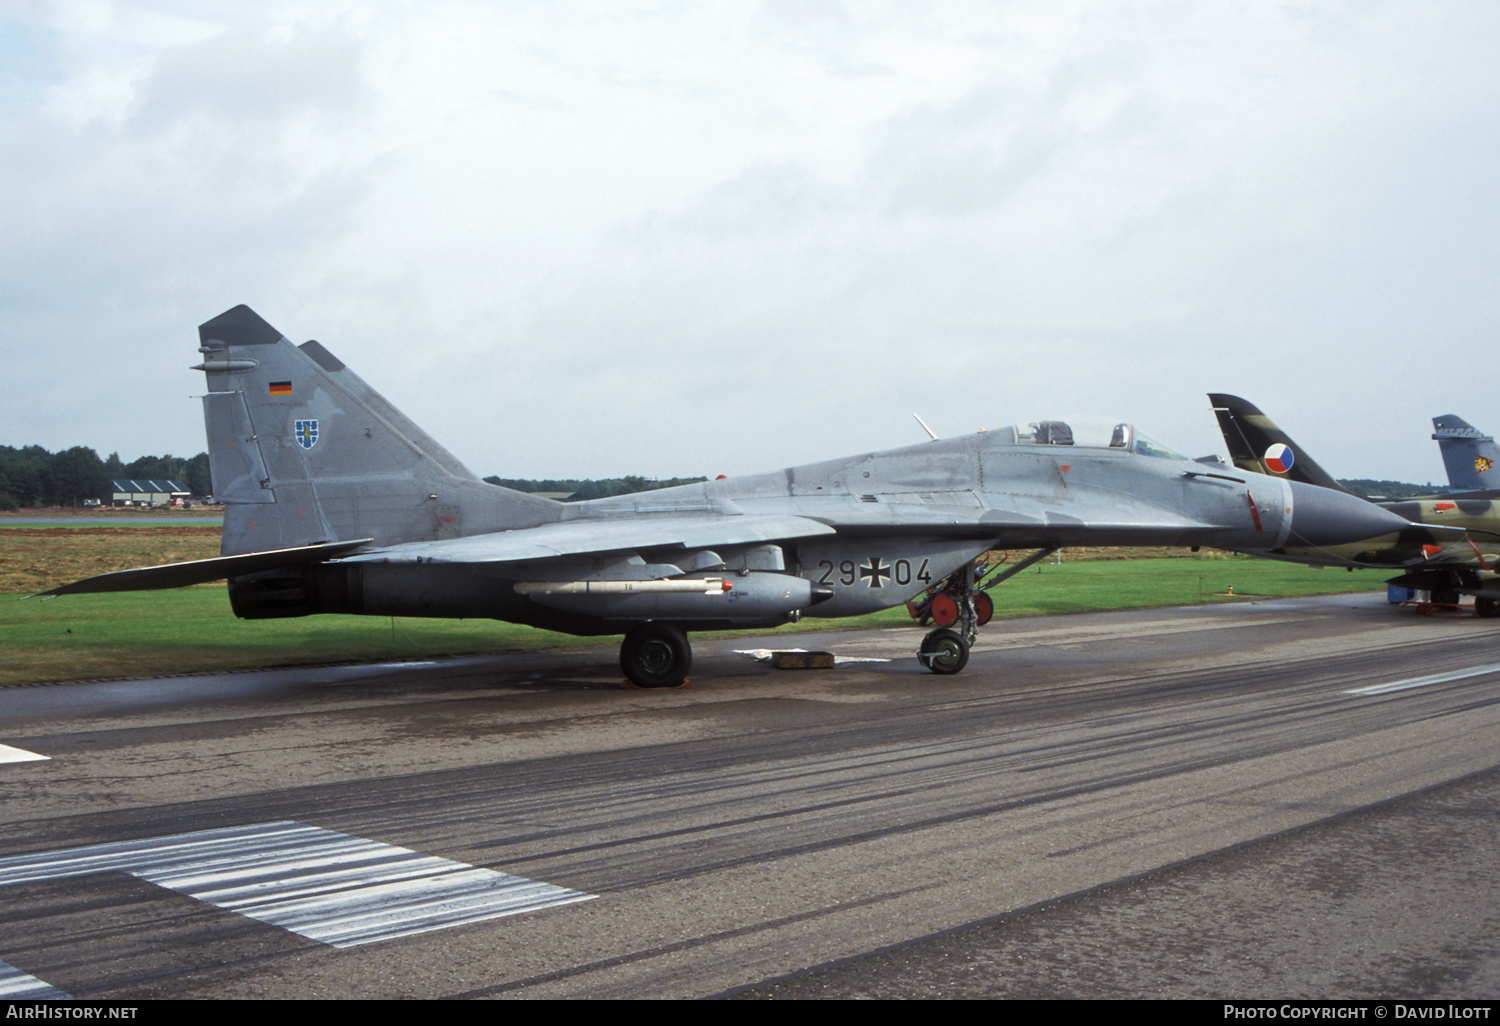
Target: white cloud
(604,238)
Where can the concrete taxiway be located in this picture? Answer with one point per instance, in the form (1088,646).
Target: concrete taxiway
(518,827)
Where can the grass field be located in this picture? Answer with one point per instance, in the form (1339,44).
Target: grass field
(188,629)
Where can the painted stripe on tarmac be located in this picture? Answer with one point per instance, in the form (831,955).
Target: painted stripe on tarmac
(325,886)
(18,986)
(1422,682)
(9,754)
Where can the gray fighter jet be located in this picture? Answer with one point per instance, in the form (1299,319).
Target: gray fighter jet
(336,502)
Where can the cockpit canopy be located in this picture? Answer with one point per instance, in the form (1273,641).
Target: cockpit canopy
(1090,432)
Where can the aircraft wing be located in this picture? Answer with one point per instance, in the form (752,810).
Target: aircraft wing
(602,534)
(201,571)
(569,538)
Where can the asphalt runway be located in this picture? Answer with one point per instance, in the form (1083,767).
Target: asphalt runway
(1266,799)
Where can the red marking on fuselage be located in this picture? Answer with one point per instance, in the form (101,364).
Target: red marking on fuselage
(1254,513)
(1477,554)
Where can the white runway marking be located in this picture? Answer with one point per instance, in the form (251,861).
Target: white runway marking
(322,885)
(17,986)
(9,754)
(1072,634)
(1422,682)
(763,655)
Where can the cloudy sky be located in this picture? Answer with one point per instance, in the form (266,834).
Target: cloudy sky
(676,238)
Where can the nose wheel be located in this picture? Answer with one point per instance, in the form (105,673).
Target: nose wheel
(944,651)
(957,610)
(960,605)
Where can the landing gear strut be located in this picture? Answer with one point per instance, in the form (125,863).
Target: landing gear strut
(952,605)
(656,655)
(960,606)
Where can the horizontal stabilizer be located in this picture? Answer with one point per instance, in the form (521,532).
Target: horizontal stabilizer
(200,571)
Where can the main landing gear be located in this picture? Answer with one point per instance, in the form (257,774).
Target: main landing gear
(1446,587)
(960,605)
(656,655)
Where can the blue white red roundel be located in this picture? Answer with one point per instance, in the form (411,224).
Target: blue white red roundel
(1279,458)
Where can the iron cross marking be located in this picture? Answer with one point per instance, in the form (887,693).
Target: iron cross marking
(875,571)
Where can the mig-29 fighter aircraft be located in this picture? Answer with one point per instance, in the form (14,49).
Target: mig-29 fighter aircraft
(336,502)
(1450,549)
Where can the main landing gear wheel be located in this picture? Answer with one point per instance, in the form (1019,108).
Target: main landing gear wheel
(945,609)
(656,655)
(1486,606)
(944,651)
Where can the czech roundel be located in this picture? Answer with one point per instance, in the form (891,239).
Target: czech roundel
(1279,458)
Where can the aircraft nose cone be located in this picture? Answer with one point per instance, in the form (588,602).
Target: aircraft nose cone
(1322,516)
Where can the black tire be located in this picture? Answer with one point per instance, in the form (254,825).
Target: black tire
(1444,597)
(656,655)
(1486,606)
(944,652)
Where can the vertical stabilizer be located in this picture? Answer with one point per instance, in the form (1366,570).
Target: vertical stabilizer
(1256,444)
(303,451)
(1470,455)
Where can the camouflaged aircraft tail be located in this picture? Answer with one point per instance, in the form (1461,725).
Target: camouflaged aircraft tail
(1256,444)
(303,452)
(1470,455)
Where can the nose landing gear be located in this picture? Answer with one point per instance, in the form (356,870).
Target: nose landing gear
(944,651)
(960,605)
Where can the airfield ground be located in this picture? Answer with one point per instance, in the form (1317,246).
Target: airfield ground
(1186,802)
(1271,800)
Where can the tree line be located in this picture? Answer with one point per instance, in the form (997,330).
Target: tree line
(1372,489)
(32,476)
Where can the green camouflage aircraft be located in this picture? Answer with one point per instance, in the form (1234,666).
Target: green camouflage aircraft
(1454,552)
